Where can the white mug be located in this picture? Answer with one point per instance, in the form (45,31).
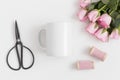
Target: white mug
(58,38)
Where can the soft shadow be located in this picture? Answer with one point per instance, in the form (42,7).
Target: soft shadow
(34,36)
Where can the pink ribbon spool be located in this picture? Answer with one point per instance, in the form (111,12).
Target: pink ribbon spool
(85,65)
(98,54)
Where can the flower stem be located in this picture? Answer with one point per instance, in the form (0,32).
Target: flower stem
(111,12)
(102,8)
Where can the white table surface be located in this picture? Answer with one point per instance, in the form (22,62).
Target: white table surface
(31,14)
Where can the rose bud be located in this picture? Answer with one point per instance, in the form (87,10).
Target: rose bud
(82,14)
(93,15)
(84,3)
(115,34)
(102,35)
(104,20)
(92,28)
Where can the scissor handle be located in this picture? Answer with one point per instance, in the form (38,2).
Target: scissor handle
(33,58)
(19,62)
(20,59)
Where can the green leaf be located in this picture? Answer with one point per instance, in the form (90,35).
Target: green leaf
(118,16)
(105,1)
(116,23)
(113,4)
(100,4)
(92,6)
(112,27)
(118,8)
(110,30)
(119,3)
(114,15)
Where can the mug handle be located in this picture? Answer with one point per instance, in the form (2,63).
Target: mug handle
(42,38)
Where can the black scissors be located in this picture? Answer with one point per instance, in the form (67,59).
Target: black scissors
(19,52)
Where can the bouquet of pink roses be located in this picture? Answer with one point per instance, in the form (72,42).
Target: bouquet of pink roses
(103,16)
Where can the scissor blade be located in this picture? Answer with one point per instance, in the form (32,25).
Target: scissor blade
(17,31)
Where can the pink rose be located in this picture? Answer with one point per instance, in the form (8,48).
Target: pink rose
(104,20)
(82,14)
(92,28)
(84,3)
(102,35)
(115,34)
(93,15)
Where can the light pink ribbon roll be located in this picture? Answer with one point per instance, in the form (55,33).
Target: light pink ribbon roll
(98,54)
(85,65)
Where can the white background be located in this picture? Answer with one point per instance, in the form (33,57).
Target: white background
(31,14)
